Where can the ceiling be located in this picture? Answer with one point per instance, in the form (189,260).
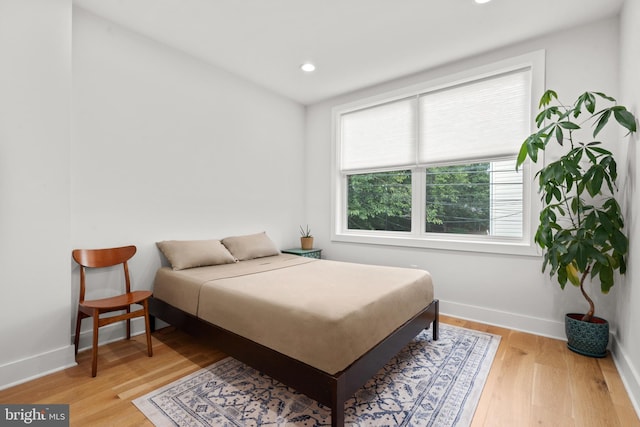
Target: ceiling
(354,43)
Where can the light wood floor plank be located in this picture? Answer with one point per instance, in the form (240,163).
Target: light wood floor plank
(534,381)
(593,405)
(551,390)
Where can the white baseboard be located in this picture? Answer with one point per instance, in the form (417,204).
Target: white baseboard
(33,367)
(533,325)
(630,377)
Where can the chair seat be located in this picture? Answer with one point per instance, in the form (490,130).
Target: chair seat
(123,300)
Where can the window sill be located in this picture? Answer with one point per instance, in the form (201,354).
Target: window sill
(448,243)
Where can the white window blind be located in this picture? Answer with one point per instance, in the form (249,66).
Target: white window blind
(481,119)
(379,136)
(507,202)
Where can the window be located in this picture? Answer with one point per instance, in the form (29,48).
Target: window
(476,198)
(434,165)
(379,201)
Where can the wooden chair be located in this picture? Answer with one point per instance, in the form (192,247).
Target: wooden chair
(100,258)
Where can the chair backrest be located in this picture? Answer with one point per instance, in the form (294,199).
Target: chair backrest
(99,258)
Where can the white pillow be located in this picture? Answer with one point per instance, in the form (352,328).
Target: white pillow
(183,254)
(251,246)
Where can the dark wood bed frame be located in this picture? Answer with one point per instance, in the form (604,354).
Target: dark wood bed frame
(330,390)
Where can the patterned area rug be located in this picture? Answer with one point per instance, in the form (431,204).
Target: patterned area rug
(429,383)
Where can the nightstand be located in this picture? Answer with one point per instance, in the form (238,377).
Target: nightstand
(308,253)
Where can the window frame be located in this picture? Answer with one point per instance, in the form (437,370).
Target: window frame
(418,238)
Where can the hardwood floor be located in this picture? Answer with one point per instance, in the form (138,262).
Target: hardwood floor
(534,381)
(537,381)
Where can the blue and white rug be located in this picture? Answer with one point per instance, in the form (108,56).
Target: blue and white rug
(429,383)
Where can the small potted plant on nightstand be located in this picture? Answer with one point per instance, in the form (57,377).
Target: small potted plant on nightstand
(581,229)
(306,238)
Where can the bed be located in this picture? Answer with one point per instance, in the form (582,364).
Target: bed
(286,315)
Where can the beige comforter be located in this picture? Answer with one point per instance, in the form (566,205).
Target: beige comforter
(323,313)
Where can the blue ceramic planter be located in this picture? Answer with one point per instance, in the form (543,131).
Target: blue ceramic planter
(587,338)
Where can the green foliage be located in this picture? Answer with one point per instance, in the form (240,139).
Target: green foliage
(581,224)
(305,232)
(458,199)
(380,201)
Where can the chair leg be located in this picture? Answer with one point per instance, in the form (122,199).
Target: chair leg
(147,326)
(76,339)
(128,324)
(94,354)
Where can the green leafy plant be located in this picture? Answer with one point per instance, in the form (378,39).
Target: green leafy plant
(305,232)
(581,230)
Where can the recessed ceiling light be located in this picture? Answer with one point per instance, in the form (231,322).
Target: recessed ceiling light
(482,1)
(307,67)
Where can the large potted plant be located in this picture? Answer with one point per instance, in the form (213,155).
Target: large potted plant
(581,230)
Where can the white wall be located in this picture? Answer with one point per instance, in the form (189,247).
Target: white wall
(168,147)
(627,353)
(504,290)
(158,145)
(35,82)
